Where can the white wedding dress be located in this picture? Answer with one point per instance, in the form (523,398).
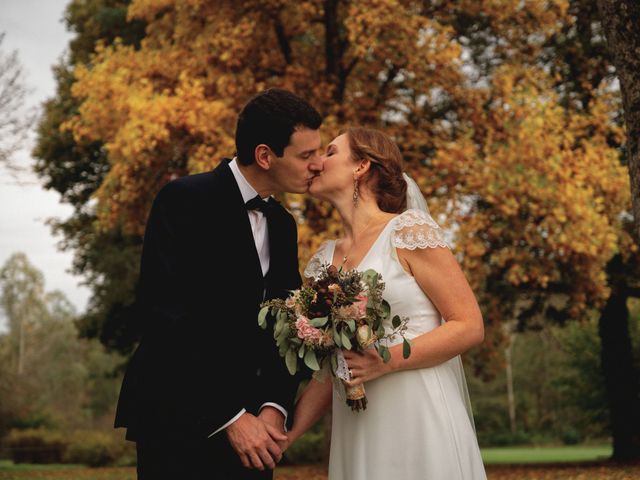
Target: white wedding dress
(418,423)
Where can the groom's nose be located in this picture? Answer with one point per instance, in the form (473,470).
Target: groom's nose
(317,163)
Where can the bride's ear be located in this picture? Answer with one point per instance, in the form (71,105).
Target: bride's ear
(362,168)
(263,156)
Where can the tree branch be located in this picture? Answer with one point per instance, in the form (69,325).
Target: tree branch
(283,40)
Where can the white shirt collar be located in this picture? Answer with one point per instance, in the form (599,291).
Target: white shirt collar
(247,191)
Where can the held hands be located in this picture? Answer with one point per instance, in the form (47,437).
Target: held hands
(274,417)
(257,441)
(365,366)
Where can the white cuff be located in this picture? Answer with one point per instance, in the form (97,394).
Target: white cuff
(242,412)
(279,408)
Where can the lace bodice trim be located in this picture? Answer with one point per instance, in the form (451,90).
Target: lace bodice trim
(416,229)
(411,229)
(315,263)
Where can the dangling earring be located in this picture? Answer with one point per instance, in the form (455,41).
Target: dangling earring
(355,191)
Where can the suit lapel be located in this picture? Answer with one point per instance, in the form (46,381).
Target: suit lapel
(242,235)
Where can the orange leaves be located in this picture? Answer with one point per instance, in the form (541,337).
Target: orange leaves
(546,189)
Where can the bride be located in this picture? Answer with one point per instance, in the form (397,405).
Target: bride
(418,422)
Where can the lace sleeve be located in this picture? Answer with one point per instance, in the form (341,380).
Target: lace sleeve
(416,229)
(317,260)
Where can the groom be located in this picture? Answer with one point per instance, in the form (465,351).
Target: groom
(206,394)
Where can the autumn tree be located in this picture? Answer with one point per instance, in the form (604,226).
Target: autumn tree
(580,71)
(107,259)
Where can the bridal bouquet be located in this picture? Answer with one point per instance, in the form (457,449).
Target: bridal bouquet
(337,310)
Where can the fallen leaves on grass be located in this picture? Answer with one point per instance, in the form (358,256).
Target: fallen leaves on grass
(501,472)
(564,472)
(124,473)
(319,472)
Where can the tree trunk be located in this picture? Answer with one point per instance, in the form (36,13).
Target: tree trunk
(510,392)
(621,378)
(620,20)
(21,347)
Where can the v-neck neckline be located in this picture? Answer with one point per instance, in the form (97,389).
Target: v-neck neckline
(366,255)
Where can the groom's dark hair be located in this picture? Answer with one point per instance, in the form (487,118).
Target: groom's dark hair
(271,117)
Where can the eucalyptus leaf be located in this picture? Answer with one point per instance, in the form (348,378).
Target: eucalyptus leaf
(262,317)
(406,348)
(319,321)
(386,308)
(386,355)
(301,351)
(346,343)
(311,361)
(337,338)
(370,276)
(291,361)
(284,332)
(277,329)
(351,324)
(396,321)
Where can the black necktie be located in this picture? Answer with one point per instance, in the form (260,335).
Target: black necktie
(266,207)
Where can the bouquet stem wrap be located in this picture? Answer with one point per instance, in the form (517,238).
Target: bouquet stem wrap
(356,397)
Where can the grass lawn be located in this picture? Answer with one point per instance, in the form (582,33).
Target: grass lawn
(527,455)
(521,463)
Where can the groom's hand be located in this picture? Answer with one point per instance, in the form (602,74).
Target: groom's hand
(275,418)
(255,442)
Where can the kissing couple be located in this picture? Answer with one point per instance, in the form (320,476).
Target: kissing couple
(206,394)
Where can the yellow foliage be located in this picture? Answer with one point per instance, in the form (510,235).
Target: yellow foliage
(549,189)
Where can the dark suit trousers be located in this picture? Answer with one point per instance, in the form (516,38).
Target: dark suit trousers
(210,459)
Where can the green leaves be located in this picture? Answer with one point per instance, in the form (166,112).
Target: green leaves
(406,348)
(262,317)
(346,342)
(337,338)
(311,361)
(384,353)
(386,309)
(291,361)
(319,322)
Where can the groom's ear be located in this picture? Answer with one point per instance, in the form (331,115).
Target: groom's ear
(264,156)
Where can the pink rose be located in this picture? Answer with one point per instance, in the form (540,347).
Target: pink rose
(361,305)
(306,331)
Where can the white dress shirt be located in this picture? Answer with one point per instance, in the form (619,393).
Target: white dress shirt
(261,238)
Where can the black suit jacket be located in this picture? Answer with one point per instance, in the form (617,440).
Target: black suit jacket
(202,357)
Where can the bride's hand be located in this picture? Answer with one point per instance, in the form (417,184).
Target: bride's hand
(365,366)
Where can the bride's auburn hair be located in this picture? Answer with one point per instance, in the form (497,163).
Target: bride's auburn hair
(384,178)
